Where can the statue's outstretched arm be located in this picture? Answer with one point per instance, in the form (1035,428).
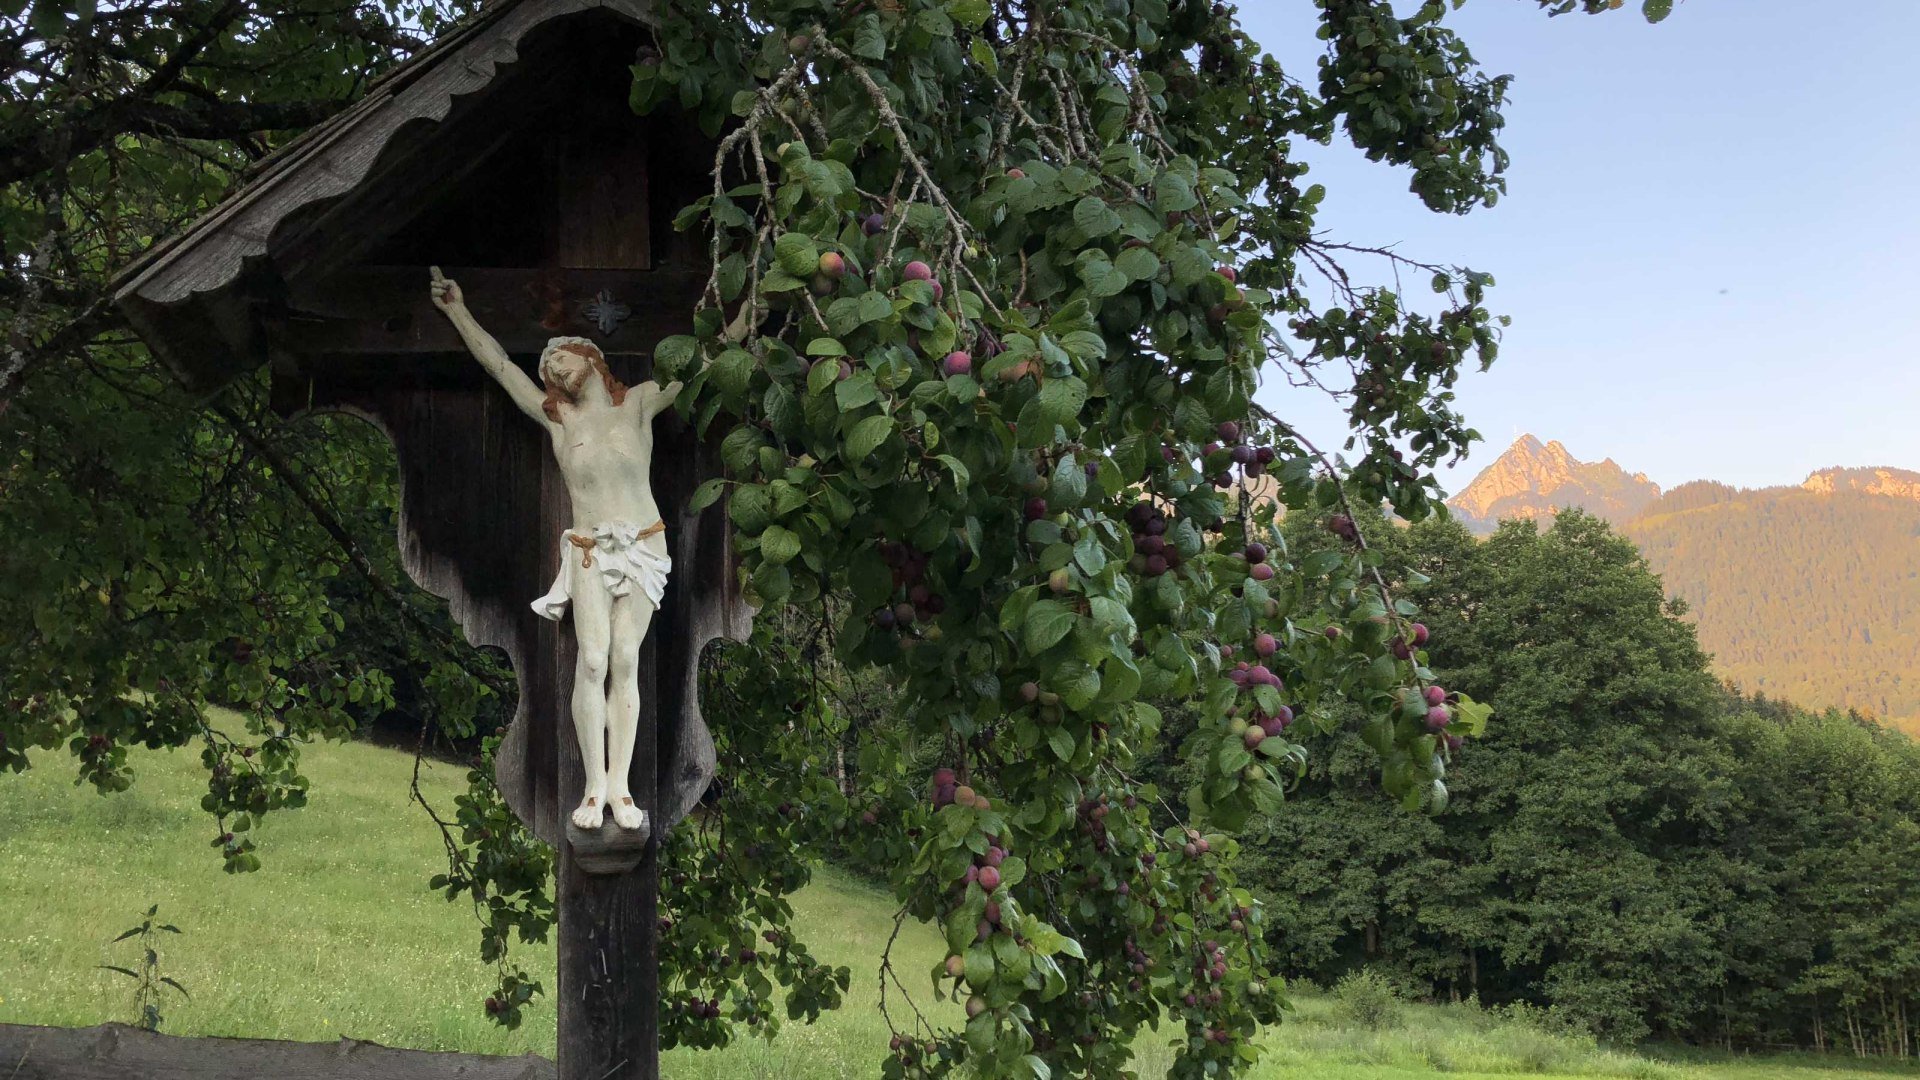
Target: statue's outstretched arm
(656,399)
(524,392)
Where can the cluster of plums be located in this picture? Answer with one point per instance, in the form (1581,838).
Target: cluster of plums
(911,1049)
(1093,822)
(1260,727)
(1404,644)
(1152,554)
(909,568)
(1250,458)
(1211,964)
(947,789)
(1138,962)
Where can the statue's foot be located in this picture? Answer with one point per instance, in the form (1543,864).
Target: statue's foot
(591,813)
(628,816)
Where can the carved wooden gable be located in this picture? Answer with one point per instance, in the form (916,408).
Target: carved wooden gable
(507,155)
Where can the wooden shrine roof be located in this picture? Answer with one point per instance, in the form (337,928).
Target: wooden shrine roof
(188,295)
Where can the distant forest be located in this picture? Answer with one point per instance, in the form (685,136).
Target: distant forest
(1798,595)
(1630,846)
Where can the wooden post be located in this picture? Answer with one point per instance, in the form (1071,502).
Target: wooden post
(608,997)
(609,967)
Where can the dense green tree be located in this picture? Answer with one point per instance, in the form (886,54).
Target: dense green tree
(1630,844)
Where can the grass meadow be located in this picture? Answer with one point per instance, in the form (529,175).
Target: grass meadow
(337,936)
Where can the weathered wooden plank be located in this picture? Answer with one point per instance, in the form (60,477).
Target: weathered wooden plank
(609,971)
(313,241)
(119,1052)
(214,251)
(482,505)
(604,216)
(384,312)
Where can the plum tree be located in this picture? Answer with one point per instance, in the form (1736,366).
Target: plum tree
(1099,202)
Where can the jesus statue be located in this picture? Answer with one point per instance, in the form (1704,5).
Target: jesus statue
(613,561)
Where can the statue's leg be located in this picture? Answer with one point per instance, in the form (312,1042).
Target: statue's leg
(631,616)
(592,633)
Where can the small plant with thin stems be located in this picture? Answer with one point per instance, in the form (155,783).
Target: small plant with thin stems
(147,994)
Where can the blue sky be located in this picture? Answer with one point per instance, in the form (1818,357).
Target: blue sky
(1711,243)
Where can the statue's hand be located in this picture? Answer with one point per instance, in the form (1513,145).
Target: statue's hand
(446,293)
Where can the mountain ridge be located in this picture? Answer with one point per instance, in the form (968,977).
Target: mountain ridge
(1535,480)
(1808,592)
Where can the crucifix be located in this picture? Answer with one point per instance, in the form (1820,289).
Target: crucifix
(602,436)
(546,480)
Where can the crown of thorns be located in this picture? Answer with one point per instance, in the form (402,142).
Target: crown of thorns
(578,346)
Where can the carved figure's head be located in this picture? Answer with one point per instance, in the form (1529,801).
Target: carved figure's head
(565,366)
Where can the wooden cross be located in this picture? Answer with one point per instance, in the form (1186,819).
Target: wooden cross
(506,153)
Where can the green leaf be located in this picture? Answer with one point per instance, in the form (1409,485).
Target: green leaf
(1470,717)
(1078,683)
(1061,741)
(733,370)
(969,13)
(866,437)
(1119,680)
(1173,194)
(1095,218)
(1013,611)
(750,508)
(822,376)
(1013,870)
(705,495)
(855,391)
(1061,399)
(797,254)
(1047,622)
(869,40)
(1084,345)
(872,582)
(983,54)
(1111,615)
(1138,264)
(1068,486)
(874,306)
(779,281)
(783,412)
(779,544)
(961,477)
(1101,278)
(673,356)
(1657,10)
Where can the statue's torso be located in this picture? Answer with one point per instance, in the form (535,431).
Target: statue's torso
(606,457)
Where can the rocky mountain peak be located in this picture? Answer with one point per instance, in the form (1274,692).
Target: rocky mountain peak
(1535,480)
(1893,483)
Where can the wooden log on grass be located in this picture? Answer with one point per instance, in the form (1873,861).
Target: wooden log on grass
(119,1052)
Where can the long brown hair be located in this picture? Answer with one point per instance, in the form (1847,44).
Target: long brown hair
(616,389)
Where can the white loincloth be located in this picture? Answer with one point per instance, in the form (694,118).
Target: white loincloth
(616,557)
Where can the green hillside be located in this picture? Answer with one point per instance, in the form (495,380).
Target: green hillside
(335,937)
(1809,596)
